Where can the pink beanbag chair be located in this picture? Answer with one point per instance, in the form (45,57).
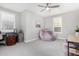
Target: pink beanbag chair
(46,34)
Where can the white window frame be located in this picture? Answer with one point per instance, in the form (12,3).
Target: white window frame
(60,17)
(1,21)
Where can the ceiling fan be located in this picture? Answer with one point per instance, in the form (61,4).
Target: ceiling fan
(48,6)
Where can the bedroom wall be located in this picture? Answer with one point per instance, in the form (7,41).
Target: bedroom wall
(28,23)
(69,21)
(48,22)
(18,21)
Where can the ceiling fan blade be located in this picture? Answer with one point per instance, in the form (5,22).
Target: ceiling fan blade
(53,6)
(42,6)
(43,10)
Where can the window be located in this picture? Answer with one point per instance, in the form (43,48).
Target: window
(57,24)
(7,21)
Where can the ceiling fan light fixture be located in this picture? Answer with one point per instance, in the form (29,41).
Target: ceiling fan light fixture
(47,8)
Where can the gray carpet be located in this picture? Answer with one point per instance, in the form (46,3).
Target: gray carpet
(35,48)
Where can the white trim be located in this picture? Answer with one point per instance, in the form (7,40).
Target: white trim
(62,38)
(27,41)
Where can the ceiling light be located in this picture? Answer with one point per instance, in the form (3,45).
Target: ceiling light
(47,8)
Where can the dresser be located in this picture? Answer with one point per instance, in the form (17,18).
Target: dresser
(73,45)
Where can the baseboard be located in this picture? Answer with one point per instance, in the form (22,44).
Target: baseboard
(63,38)
(30,40)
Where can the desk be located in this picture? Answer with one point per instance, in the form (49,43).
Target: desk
(73,45)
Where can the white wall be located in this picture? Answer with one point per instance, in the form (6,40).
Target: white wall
(28,23)
(18,21)
(69,22)
(48,22)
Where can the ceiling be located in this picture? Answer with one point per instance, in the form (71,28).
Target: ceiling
(20,7)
